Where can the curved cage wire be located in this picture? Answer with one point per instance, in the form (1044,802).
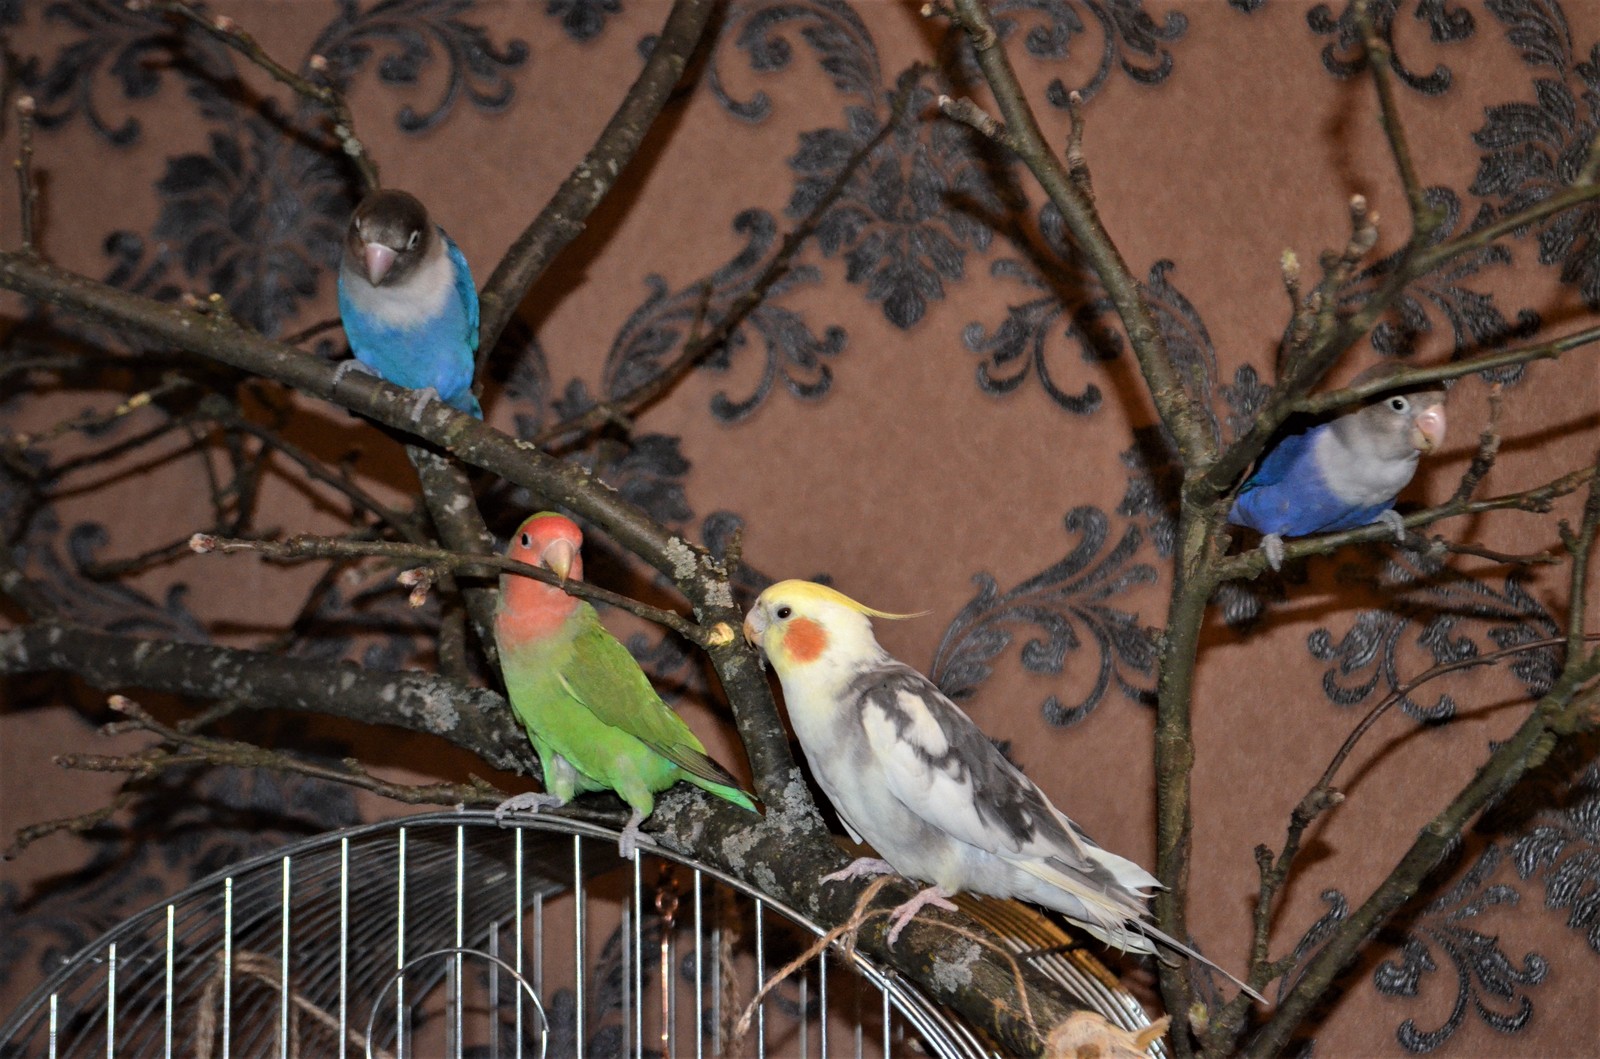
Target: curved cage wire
(447,935)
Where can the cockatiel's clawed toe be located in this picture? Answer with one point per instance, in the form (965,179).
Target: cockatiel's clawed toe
(936,896)
(859,867)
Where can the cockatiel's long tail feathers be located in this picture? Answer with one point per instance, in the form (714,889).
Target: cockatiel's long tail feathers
(1170,942)
(1103,901)
(1122,926)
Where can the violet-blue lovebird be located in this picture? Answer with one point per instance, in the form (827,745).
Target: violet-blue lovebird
(910,774)
(591,713)
(407,301)
(1343,473)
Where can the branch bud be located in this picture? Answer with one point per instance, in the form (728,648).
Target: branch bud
(202,543)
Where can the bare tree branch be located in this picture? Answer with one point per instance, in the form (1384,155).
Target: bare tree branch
(563,217)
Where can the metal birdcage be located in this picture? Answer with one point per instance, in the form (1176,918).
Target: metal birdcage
(447,935)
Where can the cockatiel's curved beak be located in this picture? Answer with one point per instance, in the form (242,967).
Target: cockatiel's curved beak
(379,259)
(558,556)
(1427,430)
(755,623)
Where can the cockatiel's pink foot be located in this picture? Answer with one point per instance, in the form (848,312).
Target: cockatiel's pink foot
(937,896)
(859,867)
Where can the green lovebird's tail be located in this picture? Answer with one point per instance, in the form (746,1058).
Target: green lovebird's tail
(700,769)
(725,792)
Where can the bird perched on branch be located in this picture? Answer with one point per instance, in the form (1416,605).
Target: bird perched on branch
(591,713)
(1343,473)
(407,302)
(909,773)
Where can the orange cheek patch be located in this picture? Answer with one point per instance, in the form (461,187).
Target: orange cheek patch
(804,640)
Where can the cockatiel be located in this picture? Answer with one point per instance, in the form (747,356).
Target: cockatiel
(909,773)
(1343,473)
(407,301)
(591,713)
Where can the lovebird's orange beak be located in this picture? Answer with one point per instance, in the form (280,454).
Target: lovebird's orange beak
(558,556)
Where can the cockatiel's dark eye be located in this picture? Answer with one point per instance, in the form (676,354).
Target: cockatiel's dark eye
(783,613)
(1399,404)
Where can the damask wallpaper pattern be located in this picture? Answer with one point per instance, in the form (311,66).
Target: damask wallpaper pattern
(932,406)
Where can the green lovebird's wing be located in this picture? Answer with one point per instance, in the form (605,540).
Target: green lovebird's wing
(604,677)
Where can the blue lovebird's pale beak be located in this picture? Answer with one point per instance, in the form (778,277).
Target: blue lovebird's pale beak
(380,259)
(1427,431)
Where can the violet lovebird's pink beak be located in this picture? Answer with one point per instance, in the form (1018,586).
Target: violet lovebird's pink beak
(1428,428)
(380,259)
(558,556)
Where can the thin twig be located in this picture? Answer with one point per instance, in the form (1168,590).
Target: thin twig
(180,749)
(1173,402)
(77,825)
(1410,378)
(564,216)
(27,190)
(1423,218)
(623,409)
(976,118)
(1488,447)
(302,547)
(1581,548)
(1438,544)
(225,29)
(96,421)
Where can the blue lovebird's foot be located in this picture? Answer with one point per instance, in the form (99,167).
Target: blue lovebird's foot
(1272,544)
(424,395)
(531,802)
(859,867)
(347,366)
(628,841)
(1392,519)
(937,896)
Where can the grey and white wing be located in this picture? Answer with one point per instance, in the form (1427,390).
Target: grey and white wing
(942,767)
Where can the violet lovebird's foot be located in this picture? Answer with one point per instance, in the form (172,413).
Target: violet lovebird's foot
(628,841)
(859,867)
(1392,519)
(937,896)
(530,803)
(1272,544)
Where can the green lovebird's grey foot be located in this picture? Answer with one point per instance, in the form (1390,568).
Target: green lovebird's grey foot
(531,802)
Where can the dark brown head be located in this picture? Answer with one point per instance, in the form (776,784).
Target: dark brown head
(390,234)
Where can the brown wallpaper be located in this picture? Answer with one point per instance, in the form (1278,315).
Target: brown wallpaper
(912,413)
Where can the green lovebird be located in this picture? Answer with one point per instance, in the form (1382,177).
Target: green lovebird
(591,713)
